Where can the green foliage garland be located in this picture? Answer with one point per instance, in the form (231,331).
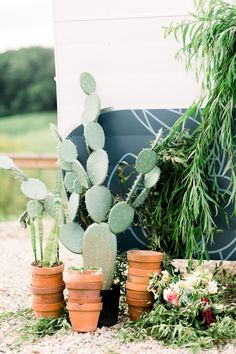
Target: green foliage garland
(182,206)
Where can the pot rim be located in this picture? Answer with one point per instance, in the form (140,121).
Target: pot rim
(47,270)
(48,307)
(136,287)
(75,285)
(44,291)
(145,256)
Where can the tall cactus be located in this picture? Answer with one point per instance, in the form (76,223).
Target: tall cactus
(99,239)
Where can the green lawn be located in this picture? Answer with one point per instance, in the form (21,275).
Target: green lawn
(27,133)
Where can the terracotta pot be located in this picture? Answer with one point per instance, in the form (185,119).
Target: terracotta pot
(88,276)
(84,300)
(139,303)
(140,295)
(144,256)
(136,287)
(142,259)
(47,310)
(47,289)
(84,318)
(138,280)
(136,312)
(142,272)
(48,295)
(84,293)
(84,285)
(47,277)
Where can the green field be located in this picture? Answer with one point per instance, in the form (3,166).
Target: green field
(28,133)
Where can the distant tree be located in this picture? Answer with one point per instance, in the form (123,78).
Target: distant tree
(27,81)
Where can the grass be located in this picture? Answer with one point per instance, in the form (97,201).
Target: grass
(25,133)
(29,132)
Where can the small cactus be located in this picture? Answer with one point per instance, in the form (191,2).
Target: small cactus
(81,174)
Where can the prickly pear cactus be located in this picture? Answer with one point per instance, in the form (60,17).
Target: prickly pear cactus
(94,136)
(73,206)
(140,199)
(146,161)
(152,177)
(87,83)
(67,151)
(97,166)
(99,250)
(71,236)
(91,109)
(121,217)
(69,180)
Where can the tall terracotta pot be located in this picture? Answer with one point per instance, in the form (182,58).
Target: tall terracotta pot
(142,264)
(47,289)
(84,301)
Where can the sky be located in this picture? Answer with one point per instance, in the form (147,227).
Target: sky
(25,23)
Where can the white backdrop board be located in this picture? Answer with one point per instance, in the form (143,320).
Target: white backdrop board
(122,44)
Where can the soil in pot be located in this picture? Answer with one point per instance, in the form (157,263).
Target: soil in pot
(110,299)
(84,318)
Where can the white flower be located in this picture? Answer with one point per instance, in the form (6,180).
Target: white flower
(165,276)
(212,287)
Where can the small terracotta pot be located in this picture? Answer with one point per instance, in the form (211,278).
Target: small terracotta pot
(48,295)
(142,272)
(47,277)
(136,287)
(84,300)
(84,285)
(138,280)
(84,318)
(144,256)
(47,310)
(140,295)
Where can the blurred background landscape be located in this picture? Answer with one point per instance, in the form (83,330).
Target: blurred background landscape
(27,92)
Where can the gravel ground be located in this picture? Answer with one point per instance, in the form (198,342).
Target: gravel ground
(15,258)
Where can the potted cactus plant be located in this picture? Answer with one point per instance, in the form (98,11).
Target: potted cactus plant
(91,203)
(47,280)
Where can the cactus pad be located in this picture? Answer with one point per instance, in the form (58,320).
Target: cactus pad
(141,198)
(6,162)
(91,109)
(31,209)
(151,178)
(81,174)
(77,188)
(55,133)
(87,83)
(97,166)
(67,151)
(146,161)
(99,250)
(71,237)
(94,135)
(121,217)
(69,179)
(66,166)
(98,201)
(73,206)
(34,189)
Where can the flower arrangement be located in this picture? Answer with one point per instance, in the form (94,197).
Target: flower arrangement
(191,309)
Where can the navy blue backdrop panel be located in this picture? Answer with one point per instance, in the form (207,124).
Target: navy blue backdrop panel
(127,133)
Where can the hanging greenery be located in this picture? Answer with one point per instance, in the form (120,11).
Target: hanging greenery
(180,211)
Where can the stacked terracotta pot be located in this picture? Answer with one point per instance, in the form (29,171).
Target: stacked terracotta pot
(47,288)
(141,265)
(84,301)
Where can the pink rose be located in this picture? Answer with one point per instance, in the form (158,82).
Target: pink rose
(171,297)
